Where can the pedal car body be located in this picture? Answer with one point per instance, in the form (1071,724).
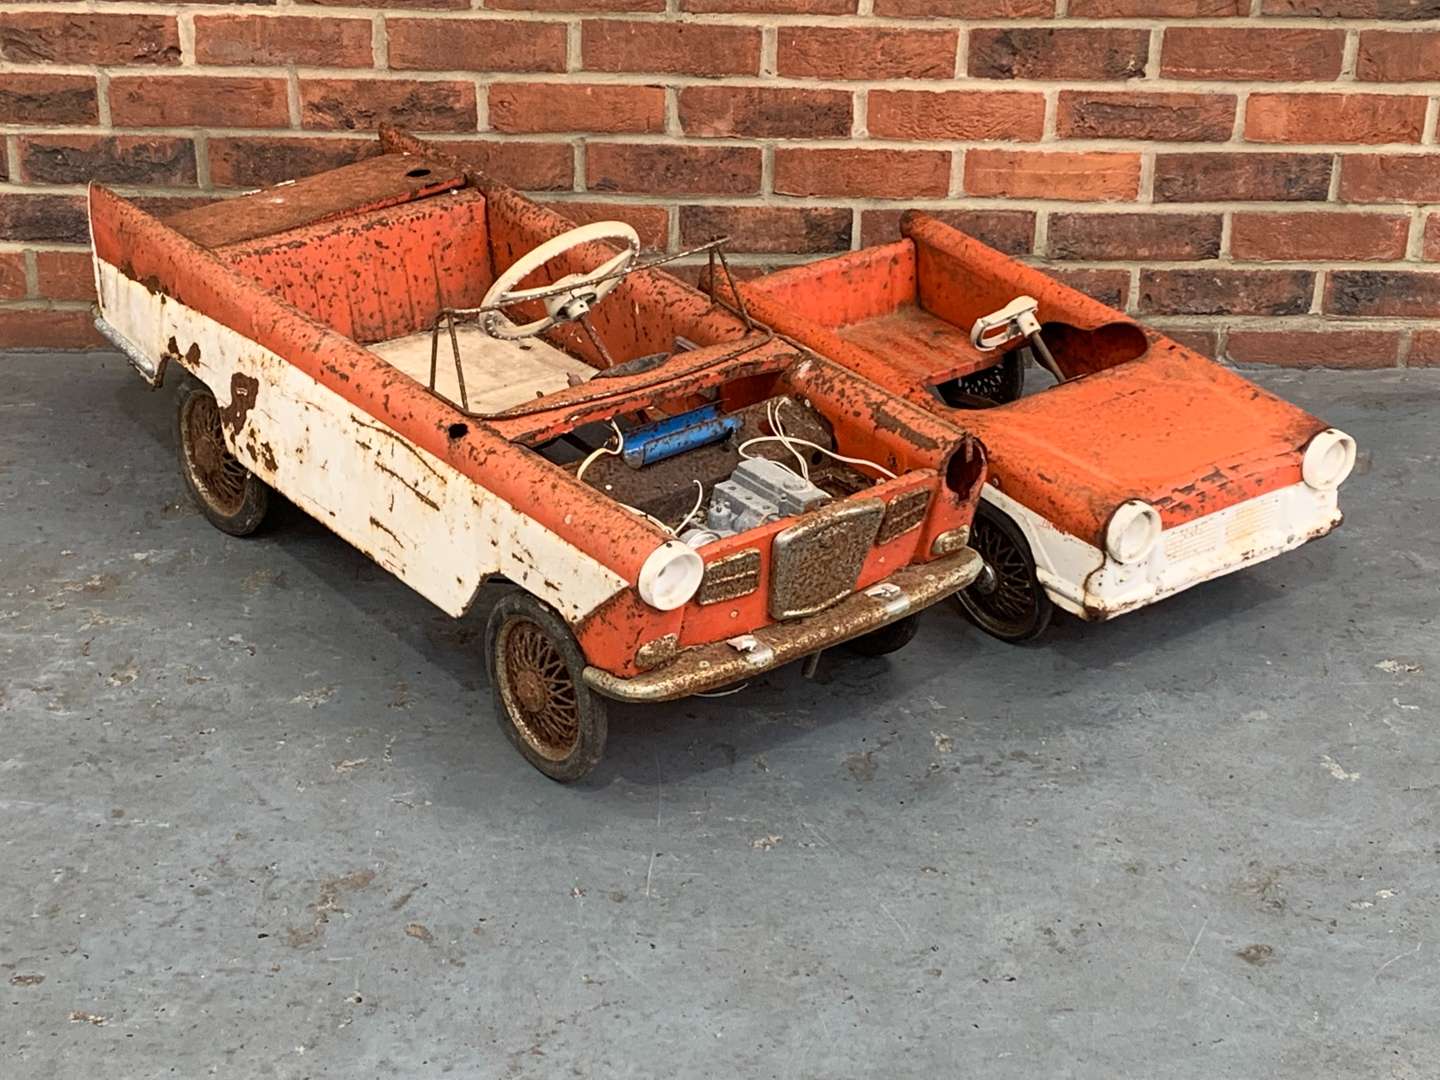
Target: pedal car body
(1147,470)
(307,322)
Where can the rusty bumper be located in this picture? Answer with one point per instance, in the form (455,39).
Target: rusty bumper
(709,667)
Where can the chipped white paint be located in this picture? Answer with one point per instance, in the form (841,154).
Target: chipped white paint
(1335,769)
(1399,667)
(1083,580)
(414,514)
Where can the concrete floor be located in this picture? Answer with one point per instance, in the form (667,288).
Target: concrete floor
(256,819)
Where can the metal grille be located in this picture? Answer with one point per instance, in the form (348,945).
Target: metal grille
(903,514)
(731,577)
(816,561)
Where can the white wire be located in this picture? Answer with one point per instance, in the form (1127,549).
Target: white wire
(787,439)
(619,448)
(699,500)
(772,413)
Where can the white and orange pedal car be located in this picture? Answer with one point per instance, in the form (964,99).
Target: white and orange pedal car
(1144,470)
(678,498)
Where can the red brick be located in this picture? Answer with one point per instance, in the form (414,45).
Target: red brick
(1251,177)
(1020,174)
(49,328)
(1424,349)
(1400,294)
(881,174)
(765,112)
(1301,237)
(1315,348)
(528,107)
(57,218)
(12,275)
(966,9)
(365,104)
(197,101)
(1249,53)
(651,222)
(48,99)
(771,7)
(956,114)
(1431,242)
(257,39)
(671,169)
(1010,231)
(807,230)
(1334,118)
(1158,9)
(1393,178)
(1204,342)
(1130,237)
(529,166)
(1355,9)
(1392,56)
(65,275)
(404,5)
(38,37)
(571,5)
(1226,292)
(110,159)
(676,47)
(1110,287)
(475,45)
(1070,53)
(834,52)
(1092,114)
(255,161)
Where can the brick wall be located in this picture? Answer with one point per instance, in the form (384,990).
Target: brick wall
(1260,177)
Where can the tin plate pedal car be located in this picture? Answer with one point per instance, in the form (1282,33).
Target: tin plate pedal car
(679,499)
(1142,468)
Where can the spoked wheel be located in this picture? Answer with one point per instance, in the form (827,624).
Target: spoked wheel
(887,639)
(230,496)
(1009,603)
(541,700)
(1001,383)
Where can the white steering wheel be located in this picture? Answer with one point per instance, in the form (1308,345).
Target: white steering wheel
(582,291)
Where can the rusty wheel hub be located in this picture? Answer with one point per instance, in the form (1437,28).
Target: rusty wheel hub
(217,473)
(537,689)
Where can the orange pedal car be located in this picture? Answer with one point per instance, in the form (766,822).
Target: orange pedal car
(468,387)
(1146,469)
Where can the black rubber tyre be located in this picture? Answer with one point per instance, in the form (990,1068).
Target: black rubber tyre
(541,701)
(887,639)
(1018,609)
(231,497)
(1000,384)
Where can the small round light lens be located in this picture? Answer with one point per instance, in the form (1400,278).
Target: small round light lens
(1133,531)
(1328,460)
(671,575)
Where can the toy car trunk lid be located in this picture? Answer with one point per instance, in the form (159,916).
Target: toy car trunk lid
(305,307)
(1140,416)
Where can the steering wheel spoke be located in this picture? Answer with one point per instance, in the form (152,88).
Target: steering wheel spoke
(568,298)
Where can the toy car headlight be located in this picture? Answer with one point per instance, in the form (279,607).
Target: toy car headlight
(1133,531)
(1328,460)
(670,576)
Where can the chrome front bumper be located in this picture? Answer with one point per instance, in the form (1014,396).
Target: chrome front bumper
(709,667)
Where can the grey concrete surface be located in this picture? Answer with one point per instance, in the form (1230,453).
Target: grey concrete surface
(256,819)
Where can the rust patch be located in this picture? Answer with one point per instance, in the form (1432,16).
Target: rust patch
(409,487)
(731,577)
(267,457)
(814,563)
(377,523)
(244,389)
(903,513)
